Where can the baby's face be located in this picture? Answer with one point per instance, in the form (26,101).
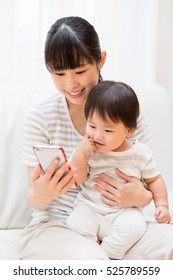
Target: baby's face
(107,135)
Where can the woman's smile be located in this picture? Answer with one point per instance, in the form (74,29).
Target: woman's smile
(75,94)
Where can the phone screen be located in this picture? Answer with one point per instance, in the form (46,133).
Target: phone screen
(46,154)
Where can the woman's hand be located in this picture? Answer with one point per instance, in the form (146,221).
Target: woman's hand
(118,194)
(45,187)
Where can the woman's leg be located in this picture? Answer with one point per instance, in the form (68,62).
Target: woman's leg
(155,244)
(54,241)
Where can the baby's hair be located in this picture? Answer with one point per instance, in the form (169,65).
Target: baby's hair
(71,42)
(114,100)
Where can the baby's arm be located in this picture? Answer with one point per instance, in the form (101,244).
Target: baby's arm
(158,188)
(80,158)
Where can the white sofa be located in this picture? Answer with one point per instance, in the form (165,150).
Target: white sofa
(14,103)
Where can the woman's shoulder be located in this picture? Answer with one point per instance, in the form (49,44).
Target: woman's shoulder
(51,106)
(55,100)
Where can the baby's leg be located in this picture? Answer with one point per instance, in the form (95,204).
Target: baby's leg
(84,220)
(126,230)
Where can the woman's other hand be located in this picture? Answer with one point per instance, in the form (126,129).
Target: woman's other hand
(129,194)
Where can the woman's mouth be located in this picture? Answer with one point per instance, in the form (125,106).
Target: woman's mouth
(75,94)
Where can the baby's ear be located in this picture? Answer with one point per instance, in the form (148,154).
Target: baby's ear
(130,131)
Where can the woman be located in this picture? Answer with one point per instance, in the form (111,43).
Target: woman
(74,60)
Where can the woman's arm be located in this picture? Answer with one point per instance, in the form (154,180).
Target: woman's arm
(43,188)
(132,193)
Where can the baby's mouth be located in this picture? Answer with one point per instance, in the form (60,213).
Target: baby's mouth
(98,143)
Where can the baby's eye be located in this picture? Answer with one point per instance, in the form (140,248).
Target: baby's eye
(92,126)
(108,130)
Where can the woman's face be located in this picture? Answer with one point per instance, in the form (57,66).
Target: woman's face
(76,84)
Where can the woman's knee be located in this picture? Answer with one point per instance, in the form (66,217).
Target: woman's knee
(61,243)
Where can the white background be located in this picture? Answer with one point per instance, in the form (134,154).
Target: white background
(137,35)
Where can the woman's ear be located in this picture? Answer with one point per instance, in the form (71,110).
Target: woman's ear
(102,60)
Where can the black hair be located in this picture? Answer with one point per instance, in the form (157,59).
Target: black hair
(114,100)
(70,43)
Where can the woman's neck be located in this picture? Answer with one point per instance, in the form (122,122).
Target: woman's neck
(78,117)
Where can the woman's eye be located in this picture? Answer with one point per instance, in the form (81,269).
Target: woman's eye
(59,74)
(81,72)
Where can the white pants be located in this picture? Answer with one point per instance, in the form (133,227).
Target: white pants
(54,241)
(117,232)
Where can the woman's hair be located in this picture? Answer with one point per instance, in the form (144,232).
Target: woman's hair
(114,100)
(70,43)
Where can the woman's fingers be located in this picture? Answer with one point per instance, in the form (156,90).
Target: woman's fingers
(123,176)
(107,197)
(107,182)
(51,170)
(67,184)
(109,201)
(36,173)
(60,172)
(64,178)
(55,182)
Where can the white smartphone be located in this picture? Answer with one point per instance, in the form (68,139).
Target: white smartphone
(46,154)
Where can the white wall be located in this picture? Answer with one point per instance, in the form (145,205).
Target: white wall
(137,35)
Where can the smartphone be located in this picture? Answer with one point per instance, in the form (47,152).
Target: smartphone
(46,154)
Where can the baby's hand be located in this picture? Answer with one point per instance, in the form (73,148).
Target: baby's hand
(162,215)
(86,146)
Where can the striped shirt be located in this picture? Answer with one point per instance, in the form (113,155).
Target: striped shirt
(49,123)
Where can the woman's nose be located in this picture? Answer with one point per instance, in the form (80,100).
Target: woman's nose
(71,84)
